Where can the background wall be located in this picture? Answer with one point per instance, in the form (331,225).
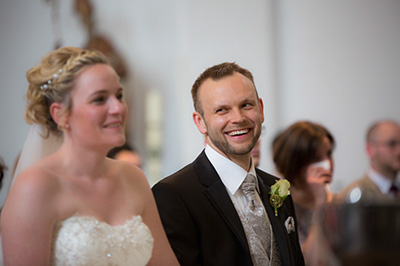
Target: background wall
(332,62)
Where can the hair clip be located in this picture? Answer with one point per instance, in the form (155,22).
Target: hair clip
(47,85)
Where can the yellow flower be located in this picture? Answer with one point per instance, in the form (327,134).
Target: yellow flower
(279,192)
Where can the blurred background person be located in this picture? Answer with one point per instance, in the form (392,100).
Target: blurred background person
(380,183)
(255,153)
(303,155)
(3,168)
(126,153)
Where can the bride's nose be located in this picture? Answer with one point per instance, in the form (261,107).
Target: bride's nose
(117,105)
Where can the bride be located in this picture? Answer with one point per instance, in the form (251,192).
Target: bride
(75,206)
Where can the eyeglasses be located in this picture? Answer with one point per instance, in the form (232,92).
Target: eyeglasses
(391,144)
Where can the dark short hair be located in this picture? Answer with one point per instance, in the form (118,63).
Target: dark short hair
(217,72)
(3,168)
(297,146)
(114,151)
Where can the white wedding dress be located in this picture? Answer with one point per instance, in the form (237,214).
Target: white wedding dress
(83,240)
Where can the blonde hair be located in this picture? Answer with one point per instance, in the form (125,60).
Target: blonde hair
(66,63)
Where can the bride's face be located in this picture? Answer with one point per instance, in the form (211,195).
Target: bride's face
(97,118)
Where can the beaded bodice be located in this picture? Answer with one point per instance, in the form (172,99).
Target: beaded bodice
(83,240)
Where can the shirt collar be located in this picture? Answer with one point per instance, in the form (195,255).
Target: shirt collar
(231,174)
(381,181)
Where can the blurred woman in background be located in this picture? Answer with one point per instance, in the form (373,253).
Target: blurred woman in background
(303,155)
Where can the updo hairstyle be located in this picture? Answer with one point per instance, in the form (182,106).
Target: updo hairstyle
(297,147)
(57,71)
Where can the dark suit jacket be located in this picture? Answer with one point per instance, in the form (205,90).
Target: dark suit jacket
(202,224)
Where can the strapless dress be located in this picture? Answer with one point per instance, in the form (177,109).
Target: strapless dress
(83,240)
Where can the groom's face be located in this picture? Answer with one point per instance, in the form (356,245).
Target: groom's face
(232,114)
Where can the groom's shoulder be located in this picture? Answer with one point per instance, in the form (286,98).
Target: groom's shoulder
(268,178)
(188,177)
(178,178)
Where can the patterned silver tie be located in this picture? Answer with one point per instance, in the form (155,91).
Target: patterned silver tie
(249,191)
(257,227)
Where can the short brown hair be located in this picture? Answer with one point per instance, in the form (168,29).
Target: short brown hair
(217,72)
(296,147)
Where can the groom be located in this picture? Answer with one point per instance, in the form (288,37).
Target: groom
(204,208)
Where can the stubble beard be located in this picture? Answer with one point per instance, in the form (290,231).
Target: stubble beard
(391,168)
(228,149)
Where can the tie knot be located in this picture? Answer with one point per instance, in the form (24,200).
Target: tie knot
(249,185)
(249,192)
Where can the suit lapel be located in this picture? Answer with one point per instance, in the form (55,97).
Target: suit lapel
(219,198)
(277,223)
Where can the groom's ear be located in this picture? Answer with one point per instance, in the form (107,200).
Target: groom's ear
(57,111)
(199,121)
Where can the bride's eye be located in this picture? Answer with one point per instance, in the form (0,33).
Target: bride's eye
(99,100)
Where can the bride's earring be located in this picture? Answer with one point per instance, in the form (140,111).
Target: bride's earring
(63,127)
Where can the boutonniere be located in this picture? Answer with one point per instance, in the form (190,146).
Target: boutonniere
(279,192)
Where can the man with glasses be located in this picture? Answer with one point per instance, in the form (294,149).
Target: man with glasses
(383,150)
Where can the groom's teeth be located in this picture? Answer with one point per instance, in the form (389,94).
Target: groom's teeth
(238,132)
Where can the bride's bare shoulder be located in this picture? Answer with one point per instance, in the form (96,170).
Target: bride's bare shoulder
(38,179)
(132,176)
(34,195)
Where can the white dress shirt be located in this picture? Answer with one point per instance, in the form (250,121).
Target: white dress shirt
(232,176)
(382,182)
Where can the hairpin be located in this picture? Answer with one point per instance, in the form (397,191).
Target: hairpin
(47,85)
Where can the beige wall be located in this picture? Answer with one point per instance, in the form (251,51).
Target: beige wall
(334,62)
